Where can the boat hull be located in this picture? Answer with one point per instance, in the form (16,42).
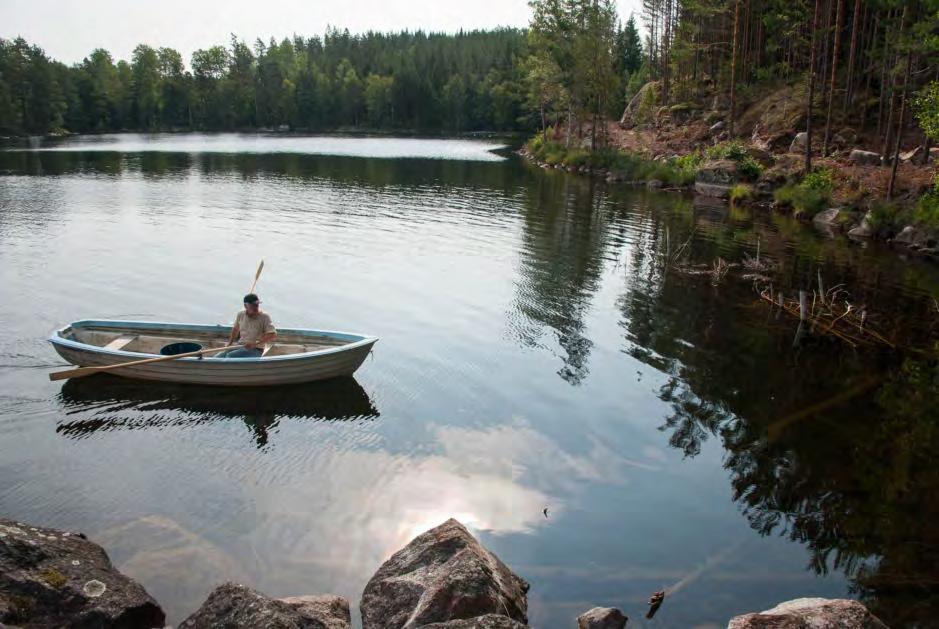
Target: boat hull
(334,362)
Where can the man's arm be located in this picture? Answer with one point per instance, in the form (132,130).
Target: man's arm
(235,333)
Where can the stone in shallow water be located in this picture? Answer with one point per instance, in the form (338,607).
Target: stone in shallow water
(811,613)
(442,575)
(232,605)
(602,618)
(66,581)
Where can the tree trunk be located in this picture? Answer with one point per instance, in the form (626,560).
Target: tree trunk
(808,107)
(849,87)
(834,76)
(906,84)
(733,71)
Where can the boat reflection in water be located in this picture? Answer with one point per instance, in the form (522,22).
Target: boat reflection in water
(104,403)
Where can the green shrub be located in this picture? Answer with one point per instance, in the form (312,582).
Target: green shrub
(803,201)
(886,217)
(927,210)
(740,192)
(750,168)
(736,151)
(577,158)
(821,180)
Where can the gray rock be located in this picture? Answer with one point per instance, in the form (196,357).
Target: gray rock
(811,613)
(489,621)
(654,184)
(59,579)
(232,606)
(602,618)
(864,230)
(799,142)
(864,158)
(827,217)
(330,610)
(715,179)
(443,574)
(916,237)
(717,127)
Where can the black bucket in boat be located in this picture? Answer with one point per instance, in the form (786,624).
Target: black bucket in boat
(180,348)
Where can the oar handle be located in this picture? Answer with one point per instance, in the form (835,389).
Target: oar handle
(87,371)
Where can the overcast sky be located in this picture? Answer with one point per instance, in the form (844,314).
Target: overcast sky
(69,29)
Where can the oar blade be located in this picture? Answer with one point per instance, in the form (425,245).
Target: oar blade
(72,373)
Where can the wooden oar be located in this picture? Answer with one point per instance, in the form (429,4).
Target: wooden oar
(87,371)
(256,276)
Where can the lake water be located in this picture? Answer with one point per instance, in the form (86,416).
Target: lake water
(536,351)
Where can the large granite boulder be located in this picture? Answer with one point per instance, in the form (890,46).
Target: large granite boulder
(489,621)
(52,578)
(232,606)
(715,179)
(811,613)
(602,618)
(443,574)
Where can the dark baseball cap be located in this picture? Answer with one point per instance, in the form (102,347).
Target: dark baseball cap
(252,299)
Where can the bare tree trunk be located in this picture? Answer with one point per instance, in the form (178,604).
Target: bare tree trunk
(906,84)
(808,107)
(849,87)
(834,76)
(733,71)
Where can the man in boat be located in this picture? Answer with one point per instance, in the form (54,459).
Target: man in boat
(252,329)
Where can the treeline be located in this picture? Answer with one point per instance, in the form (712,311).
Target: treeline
(409,80)
(860,60)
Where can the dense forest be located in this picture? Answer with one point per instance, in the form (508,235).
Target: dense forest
(407,81)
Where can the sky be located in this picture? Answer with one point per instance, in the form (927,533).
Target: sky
(69,29)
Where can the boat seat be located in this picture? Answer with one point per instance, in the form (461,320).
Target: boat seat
(121,342)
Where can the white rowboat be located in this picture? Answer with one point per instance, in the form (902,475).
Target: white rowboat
(297,355)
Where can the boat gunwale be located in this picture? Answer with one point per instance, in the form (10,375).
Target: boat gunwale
(56,338)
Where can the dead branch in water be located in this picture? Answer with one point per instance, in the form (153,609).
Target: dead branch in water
(831,313)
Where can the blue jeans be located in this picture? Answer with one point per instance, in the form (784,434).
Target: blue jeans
(240,352)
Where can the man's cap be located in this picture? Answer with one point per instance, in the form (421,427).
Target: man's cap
(251,298)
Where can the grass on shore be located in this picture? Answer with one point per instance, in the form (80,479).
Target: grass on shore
(672,172)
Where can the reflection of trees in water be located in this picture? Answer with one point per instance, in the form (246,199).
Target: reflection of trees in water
(105,403)
(833,449)
(565,241)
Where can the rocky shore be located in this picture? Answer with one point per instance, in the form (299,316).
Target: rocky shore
(443,579)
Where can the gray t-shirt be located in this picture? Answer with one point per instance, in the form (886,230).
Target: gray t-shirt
(253,327)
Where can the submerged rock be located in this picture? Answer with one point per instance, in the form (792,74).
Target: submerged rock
(442,575)
(59,579)
(864,158)
(811,613)
(602,618)
(232,605)
(715,179)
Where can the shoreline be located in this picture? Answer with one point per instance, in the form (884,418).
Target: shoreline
(442,579)
(720,181)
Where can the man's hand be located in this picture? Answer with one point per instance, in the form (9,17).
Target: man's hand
(250,345)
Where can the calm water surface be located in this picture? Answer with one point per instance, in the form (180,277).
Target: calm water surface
(535,352)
